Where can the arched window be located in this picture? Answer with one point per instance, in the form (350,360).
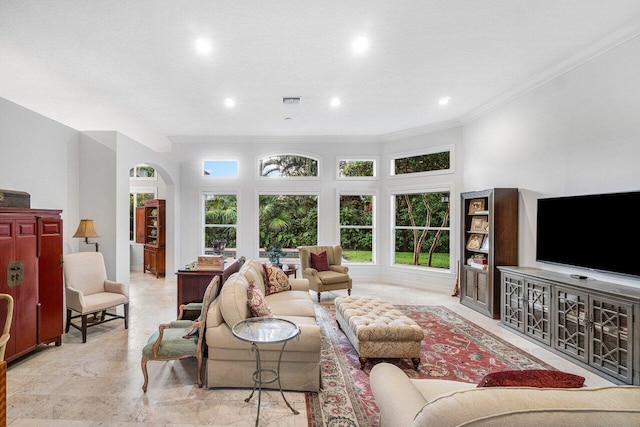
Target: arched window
(287,165)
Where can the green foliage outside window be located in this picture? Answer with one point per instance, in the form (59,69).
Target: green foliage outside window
(356,227)
(220,219)
(288,221)
(288,166)
(422,227)
(423,163)
(355,168)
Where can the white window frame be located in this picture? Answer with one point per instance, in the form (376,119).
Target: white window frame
(423,152)
(203,218)
(374,159)
(221,177)
(259,193)
(373,226)
(288,178)
(144,178)
(441,188)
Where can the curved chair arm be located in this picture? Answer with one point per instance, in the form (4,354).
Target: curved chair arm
(339,268)
(310,271)
(75,299)
(156,345)
(115,287)
(192,306)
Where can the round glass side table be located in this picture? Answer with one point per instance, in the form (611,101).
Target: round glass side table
(266,330)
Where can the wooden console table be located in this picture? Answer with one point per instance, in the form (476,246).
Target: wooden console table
(193,283)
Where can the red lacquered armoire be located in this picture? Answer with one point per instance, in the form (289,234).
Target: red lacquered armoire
(31,272)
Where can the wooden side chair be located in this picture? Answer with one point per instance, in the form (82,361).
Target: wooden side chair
(181,338)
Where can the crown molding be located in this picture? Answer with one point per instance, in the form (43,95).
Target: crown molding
(272,139)
(600,47)
(402,134)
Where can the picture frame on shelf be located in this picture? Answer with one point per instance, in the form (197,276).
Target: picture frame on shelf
(478,225)
(485,244)
(474,242)
(476,205)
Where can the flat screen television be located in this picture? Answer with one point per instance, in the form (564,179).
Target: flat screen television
(598,232)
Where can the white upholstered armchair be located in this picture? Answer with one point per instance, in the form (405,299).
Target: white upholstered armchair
(89,292)
(334,276)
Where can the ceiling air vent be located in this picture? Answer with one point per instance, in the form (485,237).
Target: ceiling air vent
(291,100)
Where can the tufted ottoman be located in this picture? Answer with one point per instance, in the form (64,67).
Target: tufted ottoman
(377,329)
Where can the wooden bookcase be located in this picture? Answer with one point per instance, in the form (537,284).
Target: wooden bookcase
(489,237)
(151,230)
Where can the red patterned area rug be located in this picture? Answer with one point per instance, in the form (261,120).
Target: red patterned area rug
(453,349)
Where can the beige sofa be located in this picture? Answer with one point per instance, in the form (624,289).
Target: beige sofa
(431,402)
(230,362)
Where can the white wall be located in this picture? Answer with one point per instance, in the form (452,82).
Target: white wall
(578,134)
(40,156)
(247,151)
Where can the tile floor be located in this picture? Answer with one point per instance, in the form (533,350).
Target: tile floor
(99,383)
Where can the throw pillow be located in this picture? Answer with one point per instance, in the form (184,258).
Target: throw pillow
(319,261)
(277,281)
(256,301)
(541,378)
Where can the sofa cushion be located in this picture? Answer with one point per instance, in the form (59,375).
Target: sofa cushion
(253,270)
(474,405)
(233,299)
(277,280)
(256,301)
(532,378)
(319,261)
(332,277)
(291,307)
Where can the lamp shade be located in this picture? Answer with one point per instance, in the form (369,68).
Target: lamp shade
(86,229)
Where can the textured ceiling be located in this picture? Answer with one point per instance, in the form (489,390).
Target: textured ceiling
(131,66)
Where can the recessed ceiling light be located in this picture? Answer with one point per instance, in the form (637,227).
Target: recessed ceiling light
(335,102)
(229,103)
(444,100)
(360,44)
(203,46)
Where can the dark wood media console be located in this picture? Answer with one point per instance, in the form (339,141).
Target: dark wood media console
(591,322)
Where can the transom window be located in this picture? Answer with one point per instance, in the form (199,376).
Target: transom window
(421,229)
(220,222)
(288,165)
(221,168)
(427,162)
(357,227)
(142,171)
(351,168)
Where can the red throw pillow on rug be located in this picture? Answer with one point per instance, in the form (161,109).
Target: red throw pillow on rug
(319,261)
(541,378)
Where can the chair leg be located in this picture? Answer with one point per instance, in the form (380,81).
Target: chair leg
(84,328)
(199,357)
(66,329)
(145,374)
(126,316)
(318,296)
(349,292)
